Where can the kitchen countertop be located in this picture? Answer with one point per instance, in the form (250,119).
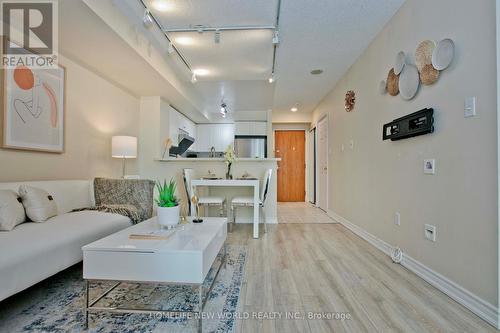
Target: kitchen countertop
(215,159)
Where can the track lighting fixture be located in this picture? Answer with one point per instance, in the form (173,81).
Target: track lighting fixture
(276,37)
(147,20)
(272,78)
(171,48)
(223,109)
(193,78)
(217,36)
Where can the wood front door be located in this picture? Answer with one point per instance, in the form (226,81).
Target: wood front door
(290,147)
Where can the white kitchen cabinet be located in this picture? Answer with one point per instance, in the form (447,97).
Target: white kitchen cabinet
(250,128)
(259,128)
(218,136)
(178,121)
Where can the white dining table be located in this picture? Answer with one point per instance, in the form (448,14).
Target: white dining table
(254,183)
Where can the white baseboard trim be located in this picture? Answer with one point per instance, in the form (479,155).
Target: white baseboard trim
(483,309)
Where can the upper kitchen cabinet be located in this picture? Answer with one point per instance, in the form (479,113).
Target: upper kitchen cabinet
(250,128)
(218,136)
(178,123)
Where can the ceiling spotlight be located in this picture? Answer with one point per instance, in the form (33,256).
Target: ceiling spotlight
(171,48)
(294,109)
(147,20)
(276,37)
(223,108)
(272,78)
(217,36)
(193,78)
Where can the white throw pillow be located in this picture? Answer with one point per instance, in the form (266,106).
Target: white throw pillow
(11,210)
(39,204)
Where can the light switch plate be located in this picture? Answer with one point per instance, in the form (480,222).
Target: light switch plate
(430,232)
(397,219)
(430,166)
(470,107)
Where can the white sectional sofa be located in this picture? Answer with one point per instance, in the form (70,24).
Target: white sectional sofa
(34,251)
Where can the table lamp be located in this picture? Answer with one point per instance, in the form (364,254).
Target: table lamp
(124,147)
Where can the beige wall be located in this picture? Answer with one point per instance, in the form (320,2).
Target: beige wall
(369,184)
(95,110)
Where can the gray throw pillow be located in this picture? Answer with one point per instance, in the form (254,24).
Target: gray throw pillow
(39,204)
(11,210)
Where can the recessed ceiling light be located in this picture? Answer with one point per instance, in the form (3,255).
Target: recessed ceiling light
(184,40)
(294,109)
(162,5)
(200,72)
(316,71)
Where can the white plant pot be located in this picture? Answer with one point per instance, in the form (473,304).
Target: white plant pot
(169,216)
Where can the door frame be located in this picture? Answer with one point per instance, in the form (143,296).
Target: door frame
(306,154)
(324,118)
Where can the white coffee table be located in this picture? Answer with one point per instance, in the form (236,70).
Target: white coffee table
(184,258)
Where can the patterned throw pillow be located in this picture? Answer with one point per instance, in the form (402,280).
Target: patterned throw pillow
(11,210)
(39,204)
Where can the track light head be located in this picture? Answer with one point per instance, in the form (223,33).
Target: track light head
(272,78)
(276,37)
(147,20)
(171,48)
(217,37)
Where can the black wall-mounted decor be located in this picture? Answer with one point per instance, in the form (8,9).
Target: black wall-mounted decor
(418,123)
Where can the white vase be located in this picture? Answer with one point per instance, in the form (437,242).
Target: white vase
(169,216)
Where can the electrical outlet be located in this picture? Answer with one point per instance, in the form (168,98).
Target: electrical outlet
(430,167)
(430,232)
(397,219)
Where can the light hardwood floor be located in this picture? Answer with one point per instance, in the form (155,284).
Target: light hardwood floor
(326,268)
(301,212)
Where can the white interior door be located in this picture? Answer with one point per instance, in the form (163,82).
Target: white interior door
(322,165)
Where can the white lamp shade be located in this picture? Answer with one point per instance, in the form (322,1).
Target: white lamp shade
(124,146)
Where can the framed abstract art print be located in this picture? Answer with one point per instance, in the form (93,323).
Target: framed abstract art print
(33,109)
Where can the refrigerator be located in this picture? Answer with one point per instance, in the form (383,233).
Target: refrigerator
(249,146)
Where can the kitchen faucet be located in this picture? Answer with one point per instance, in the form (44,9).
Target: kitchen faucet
(212,152)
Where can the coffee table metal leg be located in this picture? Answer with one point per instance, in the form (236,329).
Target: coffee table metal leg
(200,307)
(87,304)
(225,256)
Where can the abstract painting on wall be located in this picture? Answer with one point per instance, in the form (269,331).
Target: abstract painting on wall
(33,109)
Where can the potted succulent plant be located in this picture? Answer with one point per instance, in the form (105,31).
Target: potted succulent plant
(168,204)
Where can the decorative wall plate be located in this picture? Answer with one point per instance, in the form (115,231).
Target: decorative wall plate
(350,100)
(392,83)
(423,54)
(443,54)
(428,75)
(409,82)
(400,63)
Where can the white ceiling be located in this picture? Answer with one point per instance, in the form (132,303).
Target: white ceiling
(324,34)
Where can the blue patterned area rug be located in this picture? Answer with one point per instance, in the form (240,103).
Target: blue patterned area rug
(59,307)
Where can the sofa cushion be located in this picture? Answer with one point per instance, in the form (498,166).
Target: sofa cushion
(11,210)
(39,204)
(34,251)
